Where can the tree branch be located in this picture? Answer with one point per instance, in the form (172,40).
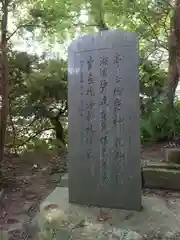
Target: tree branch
(101,25)
(84,25)
(2,2)
(164,23)
(168,3)
(154,32)
(145,19)
(22,26)
(30,124)
(62,111)
(35,135)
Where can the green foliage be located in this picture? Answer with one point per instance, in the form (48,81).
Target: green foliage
(157,122)
(160,125)
(38,86)
(152,78)
(38,91)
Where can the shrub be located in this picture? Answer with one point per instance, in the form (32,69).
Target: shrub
(160,125)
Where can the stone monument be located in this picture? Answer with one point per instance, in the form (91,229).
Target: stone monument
(104,122)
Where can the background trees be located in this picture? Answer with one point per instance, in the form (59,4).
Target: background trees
(34,85)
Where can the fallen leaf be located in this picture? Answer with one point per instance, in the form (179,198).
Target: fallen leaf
(51,206)
(103,217)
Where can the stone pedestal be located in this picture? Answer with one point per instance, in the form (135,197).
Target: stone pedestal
(172,155)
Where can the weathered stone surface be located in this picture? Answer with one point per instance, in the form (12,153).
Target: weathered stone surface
(167,165)
(104,132)
(124,234)
(172,155)
(158,220)
(69,227)
(96,231)
(161,178)
(64,181)
(160,236)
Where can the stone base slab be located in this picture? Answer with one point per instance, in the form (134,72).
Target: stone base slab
(156,176)
(162,176)
(69,221)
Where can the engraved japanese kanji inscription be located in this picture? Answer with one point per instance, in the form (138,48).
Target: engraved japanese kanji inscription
(103,121)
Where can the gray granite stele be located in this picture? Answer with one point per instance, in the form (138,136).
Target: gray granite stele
(104,123)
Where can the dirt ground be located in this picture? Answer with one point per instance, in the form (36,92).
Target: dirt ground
(30,178)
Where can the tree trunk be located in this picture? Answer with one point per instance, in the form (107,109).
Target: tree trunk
(97,11)
(3,78)
(102,25)
(58,128)
(174,56)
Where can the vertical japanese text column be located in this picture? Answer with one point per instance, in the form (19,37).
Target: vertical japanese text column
(89,116)
(104,161)
(118,120)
